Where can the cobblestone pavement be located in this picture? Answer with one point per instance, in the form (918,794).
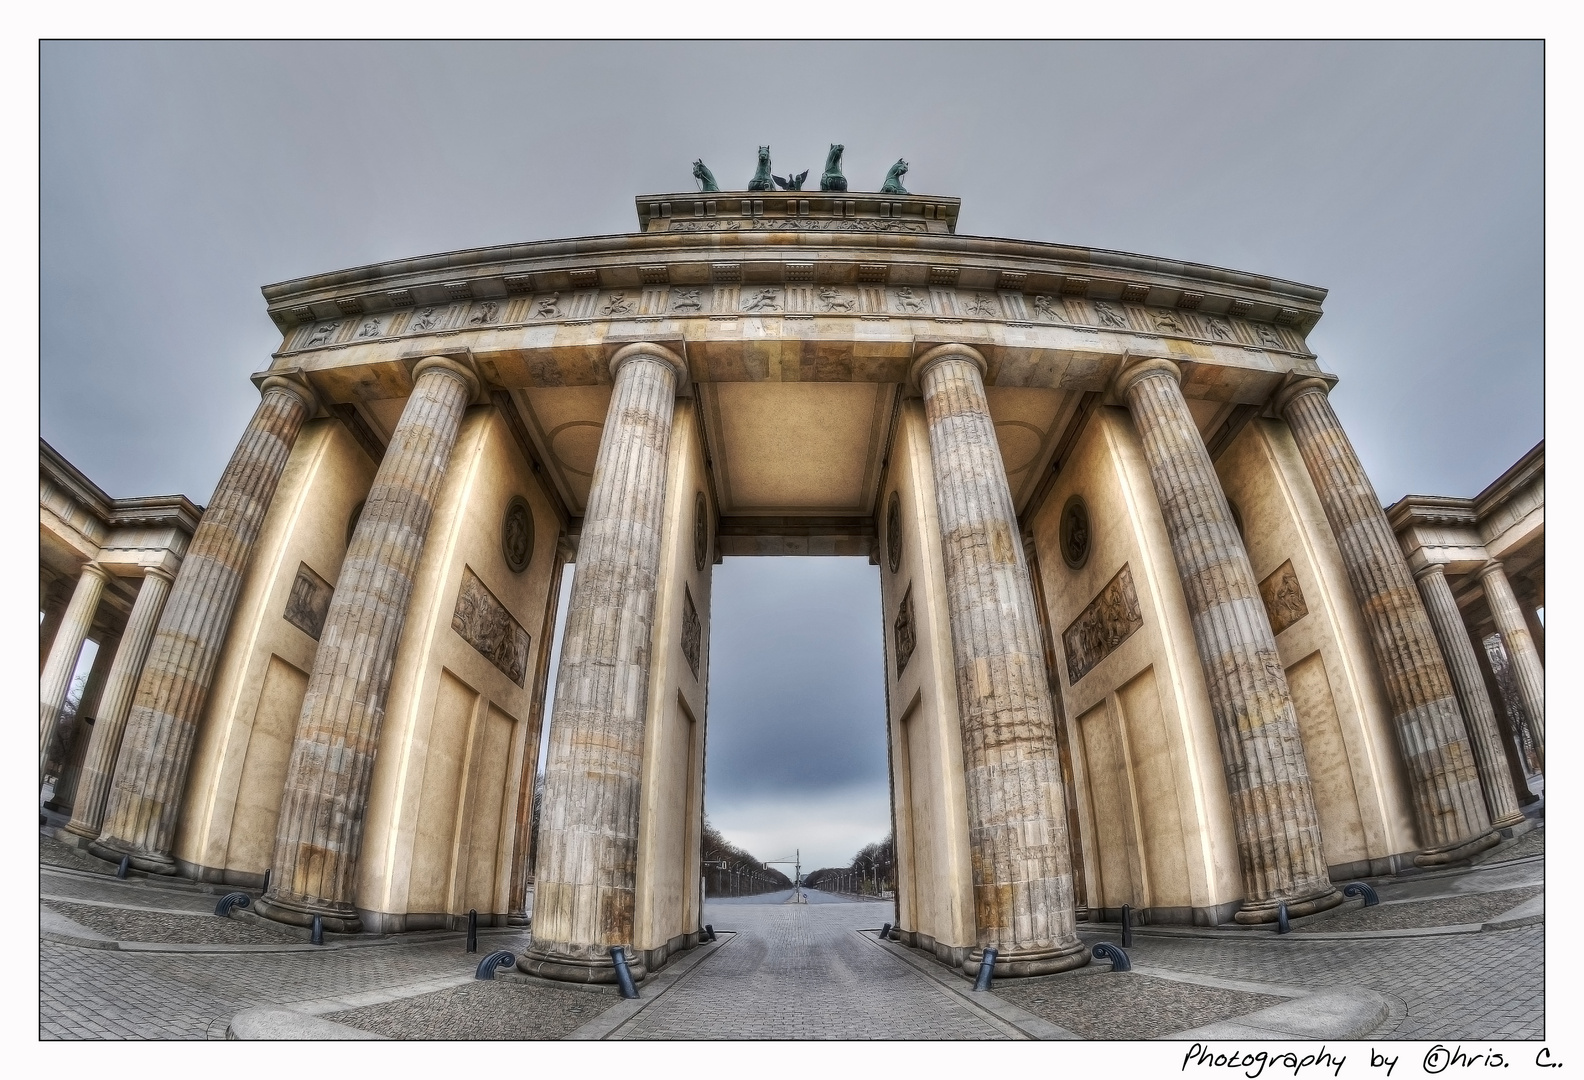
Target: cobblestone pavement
(1530,843)
(1128,1005)
(797,971)
(99,994)
(159,926)
(1474,908)
(481,1010)
(1458,986)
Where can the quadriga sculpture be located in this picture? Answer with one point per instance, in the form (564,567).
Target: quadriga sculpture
(893,180)
(705,178)
(762,180)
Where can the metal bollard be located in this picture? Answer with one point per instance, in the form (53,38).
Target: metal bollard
(1282,925)
(126,861)
(316,936)
(1359,888)
(267,874)
(623,976)
(231,900)
(1107,951)
(1127,927)
(986,969)
(885,932)
(472,944)
(488,965)
(709,931)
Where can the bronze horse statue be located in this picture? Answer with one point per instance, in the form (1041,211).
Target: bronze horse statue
(832,179)
(893,180)
(762,180)
(705,178)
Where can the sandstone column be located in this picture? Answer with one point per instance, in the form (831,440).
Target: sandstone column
(1273,811)
(82,729)
(55,683)
(1448,805)
(327,778)
(1017,822)
(157,744)
(588,830)
(93,784)
(1514,631)
(1484,736)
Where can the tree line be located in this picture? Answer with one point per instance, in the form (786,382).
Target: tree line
(872,872)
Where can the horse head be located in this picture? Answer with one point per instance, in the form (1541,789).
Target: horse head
(833,159)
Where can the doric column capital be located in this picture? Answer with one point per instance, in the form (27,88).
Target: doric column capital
(1135,369)
(292,383)
(653,352)
(1309,384)
(459,368)
(159,572)
(1429,570)
(96,570)
(939,353)
(1494,566)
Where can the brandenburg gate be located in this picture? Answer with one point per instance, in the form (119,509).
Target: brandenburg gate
(1150,639)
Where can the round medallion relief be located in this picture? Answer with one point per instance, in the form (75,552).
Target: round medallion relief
(700,531)
(517,534)
(1074,535)
(894,532)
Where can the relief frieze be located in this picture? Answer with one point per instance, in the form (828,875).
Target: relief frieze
(729,299)
(1284,598)
(692,631)
(1107,622)
(906,635)
(484,623)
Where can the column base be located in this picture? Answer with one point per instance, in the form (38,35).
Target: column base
(336,918)
(1461,851)
(1502,825)
(1269,911)
(150,862)
(1027,962)
(579,964)
(78,829)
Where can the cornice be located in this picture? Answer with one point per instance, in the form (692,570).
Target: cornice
(1522,473)
(1413,510)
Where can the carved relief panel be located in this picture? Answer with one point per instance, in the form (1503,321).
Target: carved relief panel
(1284,599)
(309,601)
(1107,622)
(484,623)
(692,631)
(906,635)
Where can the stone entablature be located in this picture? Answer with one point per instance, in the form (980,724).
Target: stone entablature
(125,536)
(802,211)
(1462,534)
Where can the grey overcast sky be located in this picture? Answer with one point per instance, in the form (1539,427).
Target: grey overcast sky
(177,178)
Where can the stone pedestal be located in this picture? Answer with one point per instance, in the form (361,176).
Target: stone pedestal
(156,748)
(1449,805)
(584,883)
(55,683)
(1484,735)
(1017,830)
(1514,631)
(320,829)
(93,783)
(1273,811)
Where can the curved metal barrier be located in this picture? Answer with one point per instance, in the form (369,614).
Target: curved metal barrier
(232,900)
(493,962)
(1359,888)
(1114,953)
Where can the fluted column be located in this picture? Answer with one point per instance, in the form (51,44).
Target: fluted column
(55,683)
(1449,807)
(584,884)
(320,829)
(1514,631)
(93,784)
(1017,822)
(1484,736)
(76,751)
(1273,812)
(157,744)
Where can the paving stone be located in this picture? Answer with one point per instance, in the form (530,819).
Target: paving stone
(481,1010)
(126,925)
(1127,1005)
(1478,908)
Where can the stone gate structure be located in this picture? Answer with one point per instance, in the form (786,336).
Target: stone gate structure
(1150,638)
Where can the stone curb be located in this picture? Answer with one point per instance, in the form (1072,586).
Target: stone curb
(1009,1019)
(272,1022)
(608,1024)
(1330,1014)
